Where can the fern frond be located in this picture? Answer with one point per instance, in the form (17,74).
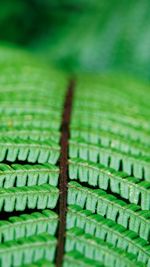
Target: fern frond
(26,91)
(28,109)
(100,105)
(111,158)
(27,225)
(32,94)
(92,134)
(15,253)
(19,198)
(91,118)
(40,263)
(33,120)
(32,151)
(107,230)
(28,175)
(131,188)
(30,133)
(31,103)
(74,259)
(109,149)
(99,250)
(98,201)
(108,139)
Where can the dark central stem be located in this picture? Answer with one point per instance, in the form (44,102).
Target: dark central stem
(63,179)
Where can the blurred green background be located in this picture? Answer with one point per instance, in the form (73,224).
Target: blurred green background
(82,35)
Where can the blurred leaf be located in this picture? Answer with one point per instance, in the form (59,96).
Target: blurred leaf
(100,36)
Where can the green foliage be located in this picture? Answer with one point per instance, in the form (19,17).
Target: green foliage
(33,17)
(126,114)
(114,135)
(111,158)
(107,230)
(108,223)
(27,225)
(27,121)
(98,201)
(74,258)
(31,103)
(19,198)
(130,188)
(106,131)
(117,36)
(40,263)
(101,36)
(30,133)
(99,250)
(106,138)
(27,150)
(20,175)
(15,253)
(109,150)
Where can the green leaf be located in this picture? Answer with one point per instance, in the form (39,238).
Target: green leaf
(130,188)
(112,158)
(19,198)
(109,231)
(32,151)
(21,175)
(30,133)
(98,201)
(99,250)
(74,258)
(40,263)
(116,38)
(22,252)
(27,225)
